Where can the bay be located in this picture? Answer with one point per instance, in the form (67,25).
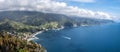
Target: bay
(97,38)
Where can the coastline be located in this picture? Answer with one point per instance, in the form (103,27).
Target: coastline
(33,36)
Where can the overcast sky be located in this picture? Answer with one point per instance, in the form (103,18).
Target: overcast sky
(99,9)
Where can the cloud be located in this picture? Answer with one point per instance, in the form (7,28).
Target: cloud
(51,6)
(1,0)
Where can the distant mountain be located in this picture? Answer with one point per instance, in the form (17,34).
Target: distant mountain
(38,18)
(32,21)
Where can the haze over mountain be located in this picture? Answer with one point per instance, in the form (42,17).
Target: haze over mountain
(53,6)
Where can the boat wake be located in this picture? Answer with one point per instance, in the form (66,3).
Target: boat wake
(66,37)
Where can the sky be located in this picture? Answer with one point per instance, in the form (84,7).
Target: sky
(110,6)
(99,9)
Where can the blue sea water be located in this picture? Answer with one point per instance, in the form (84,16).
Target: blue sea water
(98,38)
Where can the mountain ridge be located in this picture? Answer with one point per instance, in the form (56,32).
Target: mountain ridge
(36,21)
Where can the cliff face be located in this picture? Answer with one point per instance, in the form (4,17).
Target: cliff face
(10,43)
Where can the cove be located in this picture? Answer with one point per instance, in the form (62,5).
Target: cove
(97,38)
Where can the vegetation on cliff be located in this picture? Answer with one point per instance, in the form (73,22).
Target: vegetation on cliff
(10,43)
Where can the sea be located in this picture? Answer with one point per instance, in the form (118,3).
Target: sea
(95,38)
